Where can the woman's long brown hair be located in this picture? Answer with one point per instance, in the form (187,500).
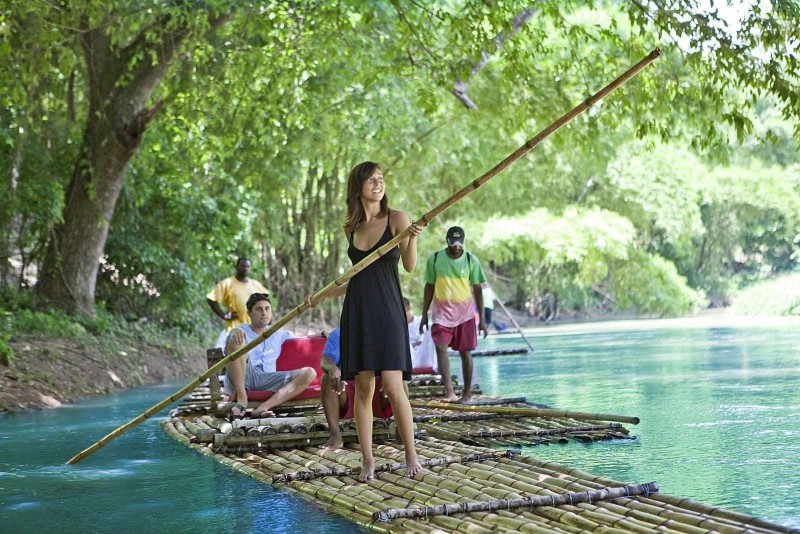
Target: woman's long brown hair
(355,210)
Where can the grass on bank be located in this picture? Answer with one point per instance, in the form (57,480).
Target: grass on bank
(110,333)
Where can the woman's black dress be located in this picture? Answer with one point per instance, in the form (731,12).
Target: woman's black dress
(374,330)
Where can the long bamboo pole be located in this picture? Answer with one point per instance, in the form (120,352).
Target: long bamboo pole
(360,266)
(526,412)
(516,325)
(344,471)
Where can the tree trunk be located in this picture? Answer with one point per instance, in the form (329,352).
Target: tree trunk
(309,256)
(73,255)
(119,89)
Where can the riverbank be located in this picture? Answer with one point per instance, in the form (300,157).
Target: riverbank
(50,371)
(47,372)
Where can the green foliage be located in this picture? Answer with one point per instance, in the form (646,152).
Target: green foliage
(263,118)
(648,284)
(776,296)
(103,325)
(751,217)
(47,324)
(583,259)
(657,190)
(720,225)
(154,266)
(6,352)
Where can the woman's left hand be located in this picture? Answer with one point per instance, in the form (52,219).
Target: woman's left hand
(416,228)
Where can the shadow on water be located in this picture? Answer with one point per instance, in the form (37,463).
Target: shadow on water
(142,481)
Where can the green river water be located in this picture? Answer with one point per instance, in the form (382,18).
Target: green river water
(719,405)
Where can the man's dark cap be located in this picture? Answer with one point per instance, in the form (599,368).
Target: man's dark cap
(455,235)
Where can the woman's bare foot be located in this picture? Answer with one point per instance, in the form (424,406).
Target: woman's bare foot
(463,400)
(412,463)
(367,471)
(413,469)
(450,398)
(333,443)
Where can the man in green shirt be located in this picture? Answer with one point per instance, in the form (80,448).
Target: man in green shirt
(453,280)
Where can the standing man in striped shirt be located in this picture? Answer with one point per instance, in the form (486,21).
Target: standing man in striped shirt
(453,279)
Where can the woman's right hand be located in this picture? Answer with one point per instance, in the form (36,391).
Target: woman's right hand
(309,299)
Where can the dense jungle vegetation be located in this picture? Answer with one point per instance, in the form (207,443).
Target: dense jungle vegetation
(145,145)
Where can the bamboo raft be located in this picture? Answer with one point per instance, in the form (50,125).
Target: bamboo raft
(427,385)
(466,485)
(497,352)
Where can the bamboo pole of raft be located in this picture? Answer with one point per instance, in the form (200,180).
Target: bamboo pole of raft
(539,431)
(571,497)
(525,412)
(322,294)
(347,471)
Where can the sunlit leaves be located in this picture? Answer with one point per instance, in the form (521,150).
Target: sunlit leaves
(263,118)
(659,190)
(650,284)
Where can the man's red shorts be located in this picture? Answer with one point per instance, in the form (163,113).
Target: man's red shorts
(463,337)
(377,411)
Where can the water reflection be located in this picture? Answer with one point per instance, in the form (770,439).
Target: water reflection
(719,408)
(143,481)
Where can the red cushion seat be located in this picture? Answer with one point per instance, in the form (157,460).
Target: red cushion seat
(295,354)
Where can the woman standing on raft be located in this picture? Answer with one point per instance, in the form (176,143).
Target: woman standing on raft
(374,333)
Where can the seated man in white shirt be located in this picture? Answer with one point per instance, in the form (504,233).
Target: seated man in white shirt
(256,369)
